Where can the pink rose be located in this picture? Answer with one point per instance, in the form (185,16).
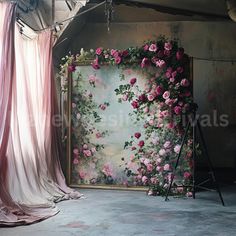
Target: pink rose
(118,60)
(145,47)
(177,110)
(125,53)
(154,180)
(166,167)
(135,104)
(162,152)
(166,95)
(114,52)
(144,179)
(168,74)
(76,161)
(184,83)
(76,151)
(85,146)
(159,160)
(99,51)
(149,167)
(92,79)
(87,153)
(146,110)
(159,168)
(151,122)
(141,143)
(133,81)
(171,125)
(168,46)
(145,62)
(150,97)
(137,135)
(146,161)
(93,150)
(153,47)
(177,148)
(103,107)
(125,97)
(189,194)
(172,80)
(98,135)
(187,175)
(167,145)
(159,90)
(160,63)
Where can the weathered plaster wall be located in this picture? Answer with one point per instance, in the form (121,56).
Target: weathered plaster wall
(214,82)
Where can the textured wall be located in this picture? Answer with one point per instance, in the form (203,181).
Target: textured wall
(214,82)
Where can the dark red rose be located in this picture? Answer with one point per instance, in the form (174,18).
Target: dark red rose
(133,81)
(137,135)
(142,98)
(141,143)
(135,104)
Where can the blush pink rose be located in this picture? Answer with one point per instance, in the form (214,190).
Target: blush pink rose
(177,110)
(162,152)
(76,161)
(159,160)
(153,47)
(150,97)
(160,63)
(93,150)
(144,179)
(146,110)
(184,83)
(87,153)
(125,97)
(166,95)
(177,148)
(149,167)
(154,180)
(76,151)
(168,46)
(159,168)
(166,167)
(167,145)
(85,146)
(99,51)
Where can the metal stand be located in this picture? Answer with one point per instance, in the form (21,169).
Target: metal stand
(196,126)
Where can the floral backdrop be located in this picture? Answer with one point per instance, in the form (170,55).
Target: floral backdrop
(128,111)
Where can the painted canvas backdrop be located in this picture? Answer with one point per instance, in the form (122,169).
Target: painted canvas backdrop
(115,122)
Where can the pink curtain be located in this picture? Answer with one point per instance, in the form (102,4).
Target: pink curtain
(31,180)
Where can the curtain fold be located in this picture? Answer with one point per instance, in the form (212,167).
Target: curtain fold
(31,179)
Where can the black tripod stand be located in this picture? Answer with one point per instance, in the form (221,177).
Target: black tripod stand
(196,125)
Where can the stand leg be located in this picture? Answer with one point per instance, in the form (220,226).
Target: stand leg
(210,163)
(194,157)
(177,161)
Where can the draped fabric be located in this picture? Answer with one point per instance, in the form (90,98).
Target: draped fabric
(31,180)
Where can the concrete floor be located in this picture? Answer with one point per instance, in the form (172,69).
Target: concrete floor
(124,213)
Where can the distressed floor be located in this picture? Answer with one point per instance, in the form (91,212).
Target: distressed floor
(125,213)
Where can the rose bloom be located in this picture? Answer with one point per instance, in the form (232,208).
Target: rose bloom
(159,168)
(173,74)
(144,179)
(141,143)
(137,135)
(145,47)
(177,148)
(153,47)
(146,110)
(151,122)
(184,83)
(145,62)
(92,79)
(135,104)
(76,161)
(155,140)
(162,152)
(167,144)
(168,46)
(114,52)
(85,146)
(76,151)
(133,81)
(118,60)
(159,90)
(146,161)
(177,110)
(103,107)
(99,51)
(160,63)
(125,97)
(87,153)
(187,175)
(149,167)
(166,167)
(166,95)
(171,125)
(133,148)
(93,150)
(98,135)
(150,97)
(168,74)
(154,180)
(142,98)
(159,160)
(172,80)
